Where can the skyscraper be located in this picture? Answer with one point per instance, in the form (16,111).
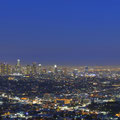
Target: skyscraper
(39,69)
(86,69)
(8,69)
(75,72)
(28,69)
(18,66)
(5,69)
(55,69)
(65,71)
(34,68)
(18,62)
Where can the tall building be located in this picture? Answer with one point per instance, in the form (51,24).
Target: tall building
(5,69)
(28,69)
(55,69)
(39,69)
(86,69)
(44,71)
(34,68)
(65,71)
(18,62)
(8,69)
(75,72)
(18,66)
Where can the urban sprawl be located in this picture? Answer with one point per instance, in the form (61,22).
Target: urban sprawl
(38,92)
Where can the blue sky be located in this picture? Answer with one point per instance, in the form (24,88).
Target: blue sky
(75,32)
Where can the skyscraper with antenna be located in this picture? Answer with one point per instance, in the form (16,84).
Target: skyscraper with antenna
(18,66)
(18,62)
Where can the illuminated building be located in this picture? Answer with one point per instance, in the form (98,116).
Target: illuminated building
(3,69)
(18,66)
(39,70)
(8,69)
(44,71)
(65,71)
(18,62)
(63,101)
(86,69)
(28,69)
(75,72)
(34,68)
(50,69)
(55,69)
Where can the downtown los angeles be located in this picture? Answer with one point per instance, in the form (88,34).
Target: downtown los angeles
(59,59)
(36,92)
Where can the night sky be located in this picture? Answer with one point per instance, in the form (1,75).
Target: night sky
(65,32)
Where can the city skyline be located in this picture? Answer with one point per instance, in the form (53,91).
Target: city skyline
(60,60)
